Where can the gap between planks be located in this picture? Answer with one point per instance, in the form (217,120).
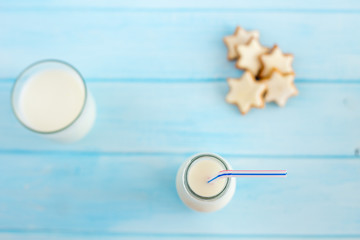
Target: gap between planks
(194,80)
(162,154)
(179,10)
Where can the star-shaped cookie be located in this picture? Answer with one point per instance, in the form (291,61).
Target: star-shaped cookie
(246,92)
(280,87)
(276,59)
(249,56)
(241,36)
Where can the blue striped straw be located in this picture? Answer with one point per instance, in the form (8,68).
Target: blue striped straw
(249,173)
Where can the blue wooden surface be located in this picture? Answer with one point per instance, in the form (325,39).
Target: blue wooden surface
(157,71)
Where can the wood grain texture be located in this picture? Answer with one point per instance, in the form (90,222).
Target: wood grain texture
(157,71)
(136,194)
(77,236)
(187,5)
(59,236)
(175,45)
(191,117)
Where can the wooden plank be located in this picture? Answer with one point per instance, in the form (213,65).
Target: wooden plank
(135,194)
(186,4)
(175,45)
(159,117)
(81,236)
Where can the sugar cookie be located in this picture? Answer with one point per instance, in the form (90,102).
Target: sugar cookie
(246,92)
(280,87)
(241,36)
(276,59)
(249,56)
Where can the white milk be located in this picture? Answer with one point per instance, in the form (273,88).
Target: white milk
(192,186)
(202,171)
(51,99)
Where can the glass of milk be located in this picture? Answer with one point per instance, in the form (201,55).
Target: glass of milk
(193,188)
(51,98)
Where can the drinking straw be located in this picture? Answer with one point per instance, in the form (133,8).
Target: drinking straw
(249,173)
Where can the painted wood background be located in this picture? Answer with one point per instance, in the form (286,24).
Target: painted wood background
(157,70)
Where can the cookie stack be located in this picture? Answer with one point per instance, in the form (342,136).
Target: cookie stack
(268,73)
